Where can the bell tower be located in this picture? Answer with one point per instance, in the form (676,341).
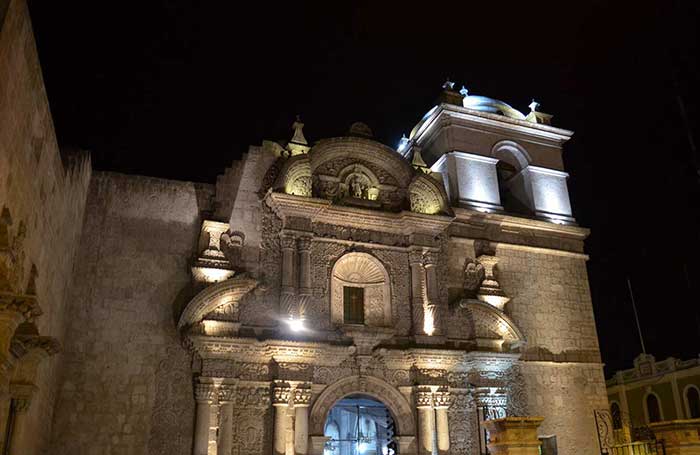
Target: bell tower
(493,158)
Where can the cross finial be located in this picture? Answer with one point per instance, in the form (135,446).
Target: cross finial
(298,127)
(448,85)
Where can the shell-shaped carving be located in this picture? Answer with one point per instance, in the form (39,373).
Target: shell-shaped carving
(427,196)
(359,268)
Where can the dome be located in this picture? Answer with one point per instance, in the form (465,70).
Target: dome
(493,106)
(360,129)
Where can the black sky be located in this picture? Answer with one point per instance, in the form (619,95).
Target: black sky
(179,89)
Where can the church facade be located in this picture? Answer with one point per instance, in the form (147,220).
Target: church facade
(334,297)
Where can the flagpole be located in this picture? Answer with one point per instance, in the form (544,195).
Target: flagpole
(636,317)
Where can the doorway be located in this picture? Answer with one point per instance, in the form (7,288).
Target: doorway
(359,425)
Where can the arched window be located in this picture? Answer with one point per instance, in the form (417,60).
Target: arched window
(616,416)
(360,291)
(653,408)
(692,402)
(513,185)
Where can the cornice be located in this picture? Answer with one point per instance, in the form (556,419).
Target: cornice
(281,351)
(324,211)
(527,130)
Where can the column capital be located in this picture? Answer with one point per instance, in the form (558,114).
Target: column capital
(226,393)
(415,257)
(442,398)
(304,243)
(281,393)
(430,258)
(302,395)
(287,241)
(205,393)
(424,397)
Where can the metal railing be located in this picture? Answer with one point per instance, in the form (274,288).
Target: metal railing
(639,448)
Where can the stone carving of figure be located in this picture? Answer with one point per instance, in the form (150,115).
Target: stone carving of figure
(232,246)
(473,277)
(356,187)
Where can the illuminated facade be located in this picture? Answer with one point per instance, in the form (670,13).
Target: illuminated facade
(339,297)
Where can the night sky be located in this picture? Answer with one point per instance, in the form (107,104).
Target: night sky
(179,89)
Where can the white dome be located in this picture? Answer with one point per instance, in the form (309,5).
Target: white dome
(493,106)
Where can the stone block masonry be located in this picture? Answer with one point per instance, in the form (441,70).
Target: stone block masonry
(42,199)
(126,386)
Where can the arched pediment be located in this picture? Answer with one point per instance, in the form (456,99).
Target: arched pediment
(349,169)
(330,156)
(295,176)
(361,172)
(427,195)
(226,292)
(489,323)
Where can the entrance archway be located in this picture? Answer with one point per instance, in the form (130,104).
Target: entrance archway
(367,387)
(360,425)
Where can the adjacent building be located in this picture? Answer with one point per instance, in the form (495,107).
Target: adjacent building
(653,392)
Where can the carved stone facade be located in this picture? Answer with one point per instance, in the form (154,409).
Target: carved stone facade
(211,319)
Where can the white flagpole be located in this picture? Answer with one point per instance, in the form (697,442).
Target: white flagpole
(636,317)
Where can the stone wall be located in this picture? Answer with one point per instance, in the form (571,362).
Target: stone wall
(566,394)
(550,298)
(42,192)
(551,305)
(127,383)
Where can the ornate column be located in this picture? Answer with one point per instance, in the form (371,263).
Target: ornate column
(302,398)
(225,441)
(514,435)
(288,244)
(441,401)
(432,300)
(281,394)
(204,394)
(415,260)
(304,246)
(426,421)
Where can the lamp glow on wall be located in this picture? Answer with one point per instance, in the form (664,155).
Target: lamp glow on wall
(429,323)
(296,324)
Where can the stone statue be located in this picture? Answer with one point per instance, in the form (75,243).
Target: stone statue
(473,277)
(231,244)
(356,187)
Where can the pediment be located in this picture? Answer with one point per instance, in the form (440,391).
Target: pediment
(228,292)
